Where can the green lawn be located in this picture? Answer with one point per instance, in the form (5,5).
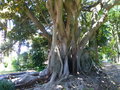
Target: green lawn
(7,72)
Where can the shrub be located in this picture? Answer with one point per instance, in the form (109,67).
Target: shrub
(34,58)
(16,65)
(5,64)
(6,85)
(38,52)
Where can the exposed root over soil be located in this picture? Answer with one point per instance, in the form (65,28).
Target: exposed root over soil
(104,80)
(80,82)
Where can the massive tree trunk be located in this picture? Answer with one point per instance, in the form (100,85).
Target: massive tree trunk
(68,54)
(63,58)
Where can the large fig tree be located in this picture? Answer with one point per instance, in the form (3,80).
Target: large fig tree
(68,41)
(71,31)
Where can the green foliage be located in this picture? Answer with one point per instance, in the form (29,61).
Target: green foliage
(34,58)
(37,51)
(108,36)
(6,85)
(16,65)
(105,42)
(104,35)
(5,64)
(6,47)
(22,30)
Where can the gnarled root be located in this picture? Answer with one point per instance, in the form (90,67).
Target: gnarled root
(31,78)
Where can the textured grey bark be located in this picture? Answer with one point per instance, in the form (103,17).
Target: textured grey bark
(71,56)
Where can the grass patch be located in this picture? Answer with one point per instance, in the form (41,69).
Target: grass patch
(8,72)
(6,85)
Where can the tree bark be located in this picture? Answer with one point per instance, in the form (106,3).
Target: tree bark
(68,54)
(38,24)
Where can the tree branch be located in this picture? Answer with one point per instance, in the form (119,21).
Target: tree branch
(88,7)
(38,24)
(3,25)
(97,24)
(6,47)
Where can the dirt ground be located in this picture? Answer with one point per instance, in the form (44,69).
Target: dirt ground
(108,79)
(113,71)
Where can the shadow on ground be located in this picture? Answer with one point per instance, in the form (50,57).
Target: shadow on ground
(113,72)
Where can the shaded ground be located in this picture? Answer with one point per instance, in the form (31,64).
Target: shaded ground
(109,79)
(113,71)
(79,82)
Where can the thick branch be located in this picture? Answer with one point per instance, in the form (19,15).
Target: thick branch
(96,25)
(3,25)
(38,24)
(88,7)
(7,47)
